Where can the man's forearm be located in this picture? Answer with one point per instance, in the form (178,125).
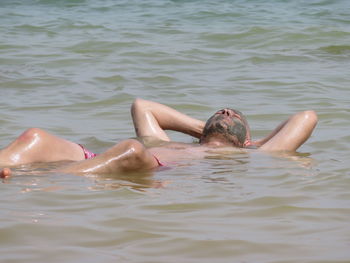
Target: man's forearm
(273,133)
(167,118)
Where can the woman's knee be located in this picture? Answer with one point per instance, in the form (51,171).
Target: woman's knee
(135,147)
(136,155)
(32,134)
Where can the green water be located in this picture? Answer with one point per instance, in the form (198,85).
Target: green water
(74,67)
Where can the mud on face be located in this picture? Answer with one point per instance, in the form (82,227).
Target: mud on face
(227,125)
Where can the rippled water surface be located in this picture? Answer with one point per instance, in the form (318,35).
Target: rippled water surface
(73,67)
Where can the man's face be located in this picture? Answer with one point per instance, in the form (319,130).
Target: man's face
(227,125)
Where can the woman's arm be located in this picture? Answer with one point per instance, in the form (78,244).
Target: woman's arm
(152,119)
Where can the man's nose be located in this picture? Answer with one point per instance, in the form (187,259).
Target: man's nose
(226,112)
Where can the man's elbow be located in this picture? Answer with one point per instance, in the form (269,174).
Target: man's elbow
(311,116)
(136,105)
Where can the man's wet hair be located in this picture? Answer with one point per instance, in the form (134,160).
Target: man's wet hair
(234,133)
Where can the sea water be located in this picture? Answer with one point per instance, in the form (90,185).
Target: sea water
(73,68)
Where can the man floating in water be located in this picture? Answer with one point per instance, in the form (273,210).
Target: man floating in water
(226,129)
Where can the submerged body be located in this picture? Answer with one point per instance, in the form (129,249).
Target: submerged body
(172,153)
(226,131)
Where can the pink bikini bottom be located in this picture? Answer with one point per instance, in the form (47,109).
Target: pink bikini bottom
(87,153)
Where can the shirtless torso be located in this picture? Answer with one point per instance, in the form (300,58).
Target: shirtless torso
(172,152)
